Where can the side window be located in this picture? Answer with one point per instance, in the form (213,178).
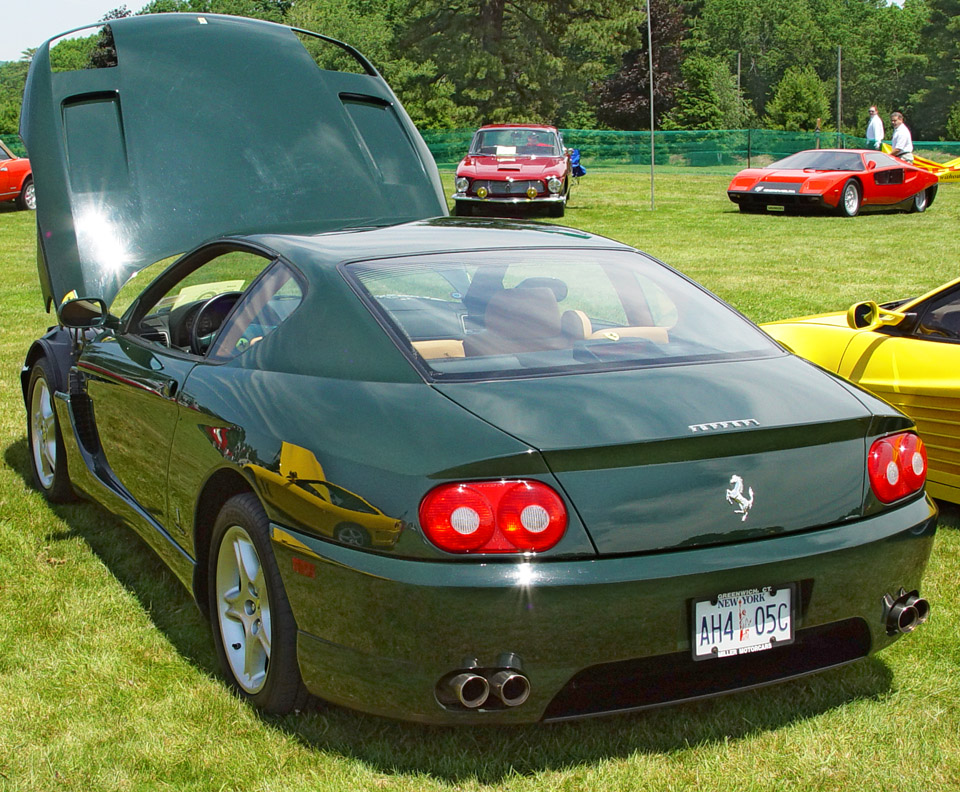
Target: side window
(264,308)
(3,155)
(195,299)
(941,317)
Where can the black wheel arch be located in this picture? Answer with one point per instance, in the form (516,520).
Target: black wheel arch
(219,488)
(57,346)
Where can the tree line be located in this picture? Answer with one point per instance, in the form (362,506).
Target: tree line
(583,64)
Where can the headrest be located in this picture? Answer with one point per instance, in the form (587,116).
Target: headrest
(530,312)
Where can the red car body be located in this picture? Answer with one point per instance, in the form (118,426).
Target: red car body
(842,180)
(517,165)
(16,179)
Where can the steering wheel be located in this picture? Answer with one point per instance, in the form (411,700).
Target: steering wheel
(206,321)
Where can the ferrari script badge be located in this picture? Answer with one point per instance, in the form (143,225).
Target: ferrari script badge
(736,497)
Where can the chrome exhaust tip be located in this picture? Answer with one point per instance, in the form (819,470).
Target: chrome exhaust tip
(905,613)
(467,689)
(510,687)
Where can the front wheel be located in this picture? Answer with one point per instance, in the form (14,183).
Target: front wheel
(849,205)
(48,458)
(28,195)
(462,210)
(255,634)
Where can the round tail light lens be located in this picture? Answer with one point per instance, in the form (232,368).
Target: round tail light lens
(493,517)
(459,517)
(897,466)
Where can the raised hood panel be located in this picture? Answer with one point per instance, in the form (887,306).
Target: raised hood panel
(651,455)
(209,125)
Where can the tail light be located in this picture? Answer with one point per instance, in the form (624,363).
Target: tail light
(897,466)
(493,517)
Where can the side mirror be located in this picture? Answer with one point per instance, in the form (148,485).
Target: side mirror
(871,165)
(81,313)
(869,316)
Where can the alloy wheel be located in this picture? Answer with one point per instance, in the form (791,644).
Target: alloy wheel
(243,609)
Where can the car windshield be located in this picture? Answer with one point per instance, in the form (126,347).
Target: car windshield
(820,160)
(514,313)
(516,141)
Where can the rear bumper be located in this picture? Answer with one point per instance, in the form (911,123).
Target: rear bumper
(592,636)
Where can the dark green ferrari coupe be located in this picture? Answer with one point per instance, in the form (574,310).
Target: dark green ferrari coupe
(445,470)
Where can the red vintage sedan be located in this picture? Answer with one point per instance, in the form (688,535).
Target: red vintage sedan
(16,179)
(516,165)
(845,181)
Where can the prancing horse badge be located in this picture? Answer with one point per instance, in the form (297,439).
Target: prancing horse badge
(735,496)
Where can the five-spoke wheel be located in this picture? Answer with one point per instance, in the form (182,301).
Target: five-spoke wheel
(254,632)
(47,454)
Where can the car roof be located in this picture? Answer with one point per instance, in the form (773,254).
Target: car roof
(208,126)
(518,126)
(425,237)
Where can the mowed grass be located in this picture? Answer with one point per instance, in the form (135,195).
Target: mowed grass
(108,679)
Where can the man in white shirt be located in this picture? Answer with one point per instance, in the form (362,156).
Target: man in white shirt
(902,140)
(874,129)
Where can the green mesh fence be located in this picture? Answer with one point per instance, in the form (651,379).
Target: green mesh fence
(730,149)
(14,144)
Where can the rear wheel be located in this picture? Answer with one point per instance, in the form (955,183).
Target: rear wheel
(28,195)
(48,460)
(255,633)
(849,205)
(920,201)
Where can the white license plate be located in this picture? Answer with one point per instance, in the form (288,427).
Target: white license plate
(742,621)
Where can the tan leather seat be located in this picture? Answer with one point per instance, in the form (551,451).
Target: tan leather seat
(439,348)
(577,326)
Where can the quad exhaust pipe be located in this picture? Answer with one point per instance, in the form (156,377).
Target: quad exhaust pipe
(905,612)
(471,688)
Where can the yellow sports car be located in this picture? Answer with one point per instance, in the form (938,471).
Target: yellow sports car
(907,353)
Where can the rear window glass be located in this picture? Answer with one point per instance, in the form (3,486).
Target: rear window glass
(488,315)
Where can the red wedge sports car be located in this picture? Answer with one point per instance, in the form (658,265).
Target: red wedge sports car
(16,179)
(845,181)
(521,165)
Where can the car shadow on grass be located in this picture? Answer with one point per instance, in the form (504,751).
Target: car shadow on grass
(484,754)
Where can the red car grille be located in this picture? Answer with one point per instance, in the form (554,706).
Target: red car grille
(506,187)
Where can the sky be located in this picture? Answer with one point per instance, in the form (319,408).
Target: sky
(31,22)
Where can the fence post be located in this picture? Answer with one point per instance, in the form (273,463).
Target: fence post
(749,143)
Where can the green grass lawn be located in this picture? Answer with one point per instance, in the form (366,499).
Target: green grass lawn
(108,679)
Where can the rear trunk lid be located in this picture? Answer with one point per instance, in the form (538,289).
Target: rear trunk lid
(690,455)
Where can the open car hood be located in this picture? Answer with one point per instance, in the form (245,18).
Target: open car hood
(205,126)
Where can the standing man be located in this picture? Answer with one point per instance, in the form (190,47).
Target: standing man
(902,140)
(874,129)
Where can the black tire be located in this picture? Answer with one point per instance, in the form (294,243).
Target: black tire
(28,196)
(921,201)
(462,210)
(851,199)
(48,456)
(254,631)
(556,210)
(752,208)
(352,534)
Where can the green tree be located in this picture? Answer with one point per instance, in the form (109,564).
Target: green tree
(708,98)
(799,100)
(939,88)
(513,60)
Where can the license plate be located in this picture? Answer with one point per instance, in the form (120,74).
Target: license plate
(742,621)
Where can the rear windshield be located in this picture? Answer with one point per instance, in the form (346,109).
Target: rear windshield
(514,313)
(820,160)
(516,142)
